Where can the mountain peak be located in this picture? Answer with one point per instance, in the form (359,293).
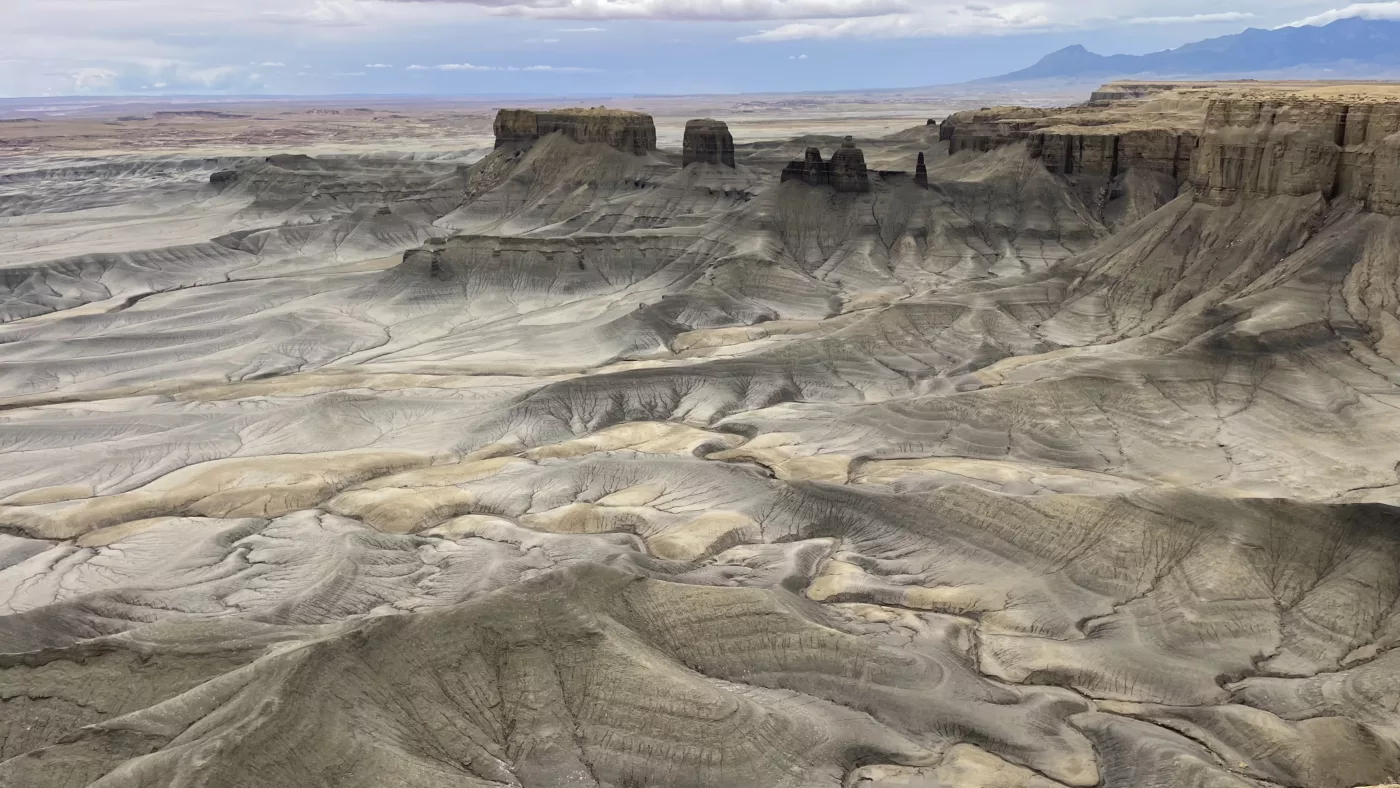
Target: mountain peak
(1370,47)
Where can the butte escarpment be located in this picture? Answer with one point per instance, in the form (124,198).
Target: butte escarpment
(1029,449)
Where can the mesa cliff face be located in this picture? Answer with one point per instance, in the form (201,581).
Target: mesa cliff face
(1262,149)
(1095,150)
(707,141)
(631,132)
(1227,149)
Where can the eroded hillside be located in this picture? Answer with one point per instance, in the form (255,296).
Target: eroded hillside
(1069,459)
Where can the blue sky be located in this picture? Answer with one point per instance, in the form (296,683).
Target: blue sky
(583,47)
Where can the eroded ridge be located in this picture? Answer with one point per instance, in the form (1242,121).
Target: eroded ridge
(1034,448)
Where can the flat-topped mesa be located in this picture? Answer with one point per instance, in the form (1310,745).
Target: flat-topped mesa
(1084,144)
(707,141)
(1268,148)
(846,172)
(630,132)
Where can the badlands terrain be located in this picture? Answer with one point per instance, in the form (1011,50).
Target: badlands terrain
(1013,447)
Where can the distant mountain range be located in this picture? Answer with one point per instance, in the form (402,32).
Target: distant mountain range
(1347,48)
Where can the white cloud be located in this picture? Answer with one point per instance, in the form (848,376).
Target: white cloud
(378,65)
(89,79)
(269,64)
(1362,10)
(582,29)
(797,57)
(1224,16)
(561,69)
(474,67)
(688,10)
(450,67)
(937,21)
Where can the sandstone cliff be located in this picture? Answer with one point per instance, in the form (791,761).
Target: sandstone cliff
(846,172)
(1266,148)
(1082,144)
(632,132)
(1226,141)
(707,141)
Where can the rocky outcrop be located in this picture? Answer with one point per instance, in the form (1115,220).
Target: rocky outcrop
(1261,149)
(1115,92)
(1104,155)
(846,172)
(921,173)
(707,141)
(810,169)
(631,132)
(982,130)
(1092,148)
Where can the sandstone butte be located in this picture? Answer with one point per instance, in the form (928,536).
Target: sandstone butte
(632,132)
(845,172)
(707,141)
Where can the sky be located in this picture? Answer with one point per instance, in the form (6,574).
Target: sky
(584,47)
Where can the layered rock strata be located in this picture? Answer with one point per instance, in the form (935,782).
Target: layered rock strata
(707,141)
(846,172)
(1260,149)
(1098,151)
(631,132)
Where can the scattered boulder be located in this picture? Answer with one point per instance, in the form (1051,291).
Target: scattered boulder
(846,172)
(630,132)
(223,177)
(708,141)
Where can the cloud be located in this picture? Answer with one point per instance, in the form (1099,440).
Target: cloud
(797,57)
(451,67)
(378,65)
(328,13)
(269,64)
(686,10)
(1225,16)
(582,29)
(561,69)
(474,67)
(937,21)
(89,79)
(1363,10)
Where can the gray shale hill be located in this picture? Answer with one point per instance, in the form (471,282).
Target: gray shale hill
(1068,461)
